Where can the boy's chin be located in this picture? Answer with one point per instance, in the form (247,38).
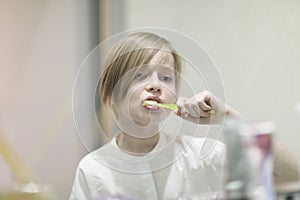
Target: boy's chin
(145,123)
(150,121)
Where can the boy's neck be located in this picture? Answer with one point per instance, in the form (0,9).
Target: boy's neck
(136,146)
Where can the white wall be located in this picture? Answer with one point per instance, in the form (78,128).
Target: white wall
(255,45)
(42,46)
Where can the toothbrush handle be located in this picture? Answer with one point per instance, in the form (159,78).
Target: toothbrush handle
(175,108)
(170,106)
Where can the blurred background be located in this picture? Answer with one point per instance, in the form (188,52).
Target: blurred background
(255,45)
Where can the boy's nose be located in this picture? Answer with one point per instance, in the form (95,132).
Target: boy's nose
(153,85)
(153,88)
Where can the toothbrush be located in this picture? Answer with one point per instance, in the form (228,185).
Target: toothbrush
(169,106)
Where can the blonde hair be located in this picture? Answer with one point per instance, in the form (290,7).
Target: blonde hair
(135,50)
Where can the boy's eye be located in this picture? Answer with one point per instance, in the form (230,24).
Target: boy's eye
(166,78)
(140,76)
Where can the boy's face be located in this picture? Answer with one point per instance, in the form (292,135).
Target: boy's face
(153,81)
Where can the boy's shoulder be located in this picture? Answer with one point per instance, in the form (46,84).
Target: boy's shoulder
(203,148)
(200,142)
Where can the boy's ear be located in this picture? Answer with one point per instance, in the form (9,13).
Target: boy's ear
(115,110)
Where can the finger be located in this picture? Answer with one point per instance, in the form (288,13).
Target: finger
(197,120)
(181,104)
(193,110)
(204,105)
(204,101)
(198,112)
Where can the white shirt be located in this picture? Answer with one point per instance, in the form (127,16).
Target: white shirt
(179,167)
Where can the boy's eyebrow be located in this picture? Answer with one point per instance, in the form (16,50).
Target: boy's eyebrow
(155,67)
(167,68)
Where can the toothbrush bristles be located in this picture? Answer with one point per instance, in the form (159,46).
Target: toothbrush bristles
(150,103)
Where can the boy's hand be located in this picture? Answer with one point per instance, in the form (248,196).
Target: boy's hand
(197,109)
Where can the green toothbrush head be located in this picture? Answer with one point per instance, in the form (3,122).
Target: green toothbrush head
(150,103)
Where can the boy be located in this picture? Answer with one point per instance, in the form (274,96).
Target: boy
(141,162)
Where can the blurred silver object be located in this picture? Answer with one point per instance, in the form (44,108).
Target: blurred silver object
(237,180)
(249,160)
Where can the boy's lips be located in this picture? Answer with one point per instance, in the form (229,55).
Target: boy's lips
(154,98)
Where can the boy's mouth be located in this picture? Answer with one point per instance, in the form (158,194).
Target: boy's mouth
(153,107)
